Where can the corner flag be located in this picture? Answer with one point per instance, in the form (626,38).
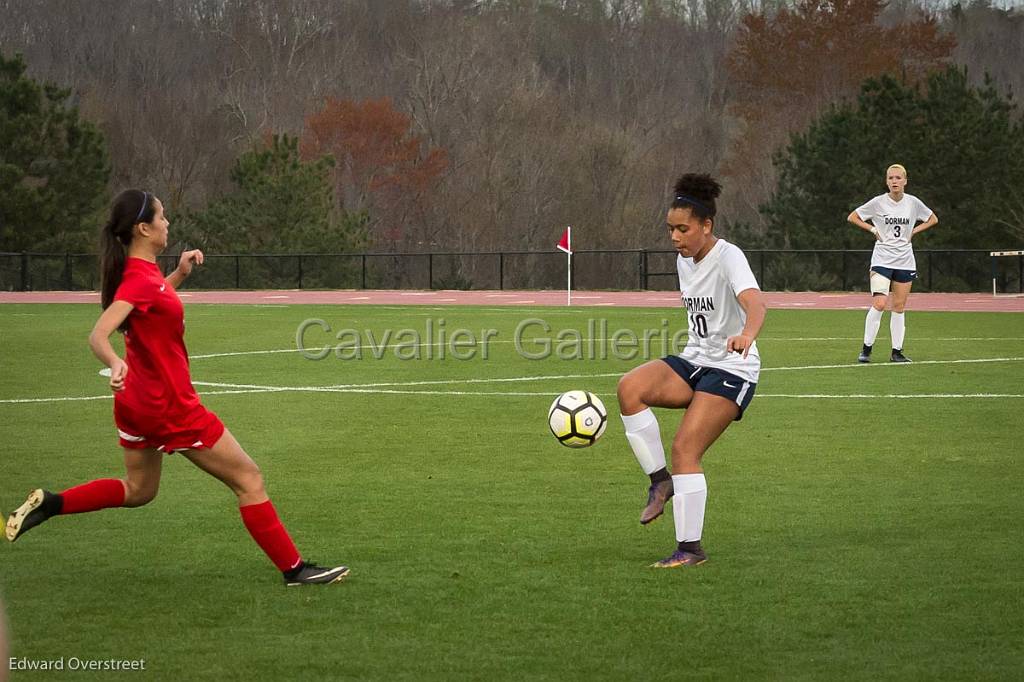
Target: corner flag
(565,244)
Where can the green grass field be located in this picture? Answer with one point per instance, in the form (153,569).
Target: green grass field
(851,535)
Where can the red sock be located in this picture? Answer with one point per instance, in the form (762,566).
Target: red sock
(269,533)
(102,493)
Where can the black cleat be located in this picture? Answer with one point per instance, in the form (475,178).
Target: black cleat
(40,505)
(898,356)
(307,573)
(865,354)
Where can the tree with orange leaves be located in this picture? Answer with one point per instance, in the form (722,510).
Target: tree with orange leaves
(787,67)
(380,167)
(821,50)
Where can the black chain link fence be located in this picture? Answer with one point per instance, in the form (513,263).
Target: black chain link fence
(966,270)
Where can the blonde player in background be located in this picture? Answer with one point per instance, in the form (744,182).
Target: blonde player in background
(893,218)
(713,378)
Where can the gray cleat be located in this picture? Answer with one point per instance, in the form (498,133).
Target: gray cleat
(865,354)
(898,356)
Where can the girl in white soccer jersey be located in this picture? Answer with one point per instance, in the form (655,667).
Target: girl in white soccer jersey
(713,378)
(893,218)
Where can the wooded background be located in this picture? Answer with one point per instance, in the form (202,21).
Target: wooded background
(401,125)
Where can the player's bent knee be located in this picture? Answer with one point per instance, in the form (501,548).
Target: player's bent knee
(684,462)
(250,483)
(629,393)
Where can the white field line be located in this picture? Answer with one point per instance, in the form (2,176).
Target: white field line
(553,377)
(437,382)
(889,364)
(385,391)
(391,391)
(369,348)
(397,387)
(14,401)
(890,395)
(860,338)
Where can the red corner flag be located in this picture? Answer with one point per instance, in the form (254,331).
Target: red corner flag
(565,243)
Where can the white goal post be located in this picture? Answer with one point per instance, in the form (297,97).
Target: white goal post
(995,271)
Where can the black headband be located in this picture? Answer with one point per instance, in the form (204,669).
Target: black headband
(686,199)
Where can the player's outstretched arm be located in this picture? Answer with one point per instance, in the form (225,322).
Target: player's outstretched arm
(752,302)
(99,341)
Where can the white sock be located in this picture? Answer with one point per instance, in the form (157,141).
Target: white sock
(691,495)
(645,438)
(898,329)
(871,325)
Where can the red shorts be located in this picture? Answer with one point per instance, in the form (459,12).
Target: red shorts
(198,430)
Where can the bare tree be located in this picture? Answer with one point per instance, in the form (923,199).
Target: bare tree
(550,111)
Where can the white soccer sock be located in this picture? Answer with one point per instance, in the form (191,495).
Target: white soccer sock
(898,328)
(691,495)
(871,325)
(645,438)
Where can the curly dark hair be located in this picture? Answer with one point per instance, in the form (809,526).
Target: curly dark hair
(697,192)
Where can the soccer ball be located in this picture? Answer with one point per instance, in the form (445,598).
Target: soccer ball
(577,419)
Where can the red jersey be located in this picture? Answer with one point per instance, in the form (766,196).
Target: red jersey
(158,381)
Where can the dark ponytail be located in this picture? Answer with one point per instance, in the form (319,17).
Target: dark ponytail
(131,207)
(697,191)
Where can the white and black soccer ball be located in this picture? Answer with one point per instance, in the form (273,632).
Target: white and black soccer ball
(577,419)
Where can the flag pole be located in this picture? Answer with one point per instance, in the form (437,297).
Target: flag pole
(568,255)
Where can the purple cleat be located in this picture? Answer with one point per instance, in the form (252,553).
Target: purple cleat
(682,558)
(657,496)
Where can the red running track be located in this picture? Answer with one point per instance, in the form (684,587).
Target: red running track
(651,299)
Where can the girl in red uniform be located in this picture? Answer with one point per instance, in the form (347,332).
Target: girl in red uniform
(156,409)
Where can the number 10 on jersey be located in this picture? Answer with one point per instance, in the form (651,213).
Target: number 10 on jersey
(699,325)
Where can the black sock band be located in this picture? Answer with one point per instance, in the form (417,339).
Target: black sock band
(660,475)
(53,504)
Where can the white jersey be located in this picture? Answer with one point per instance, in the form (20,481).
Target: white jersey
(894,221)
(709,291)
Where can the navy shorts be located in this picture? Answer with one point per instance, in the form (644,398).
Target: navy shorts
(714,381)
(901,276)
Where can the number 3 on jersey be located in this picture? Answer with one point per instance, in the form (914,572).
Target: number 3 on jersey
(699,325)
